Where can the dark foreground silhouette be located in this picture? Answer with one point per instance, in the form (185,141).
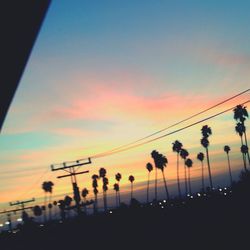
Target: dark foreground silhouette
(216,219)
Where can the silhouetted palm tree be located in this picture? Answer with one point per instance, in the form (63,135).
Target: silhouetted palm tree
(163,161)
(55,206)
(189,164)
(184,154)
(37,211)
(61,205)
(131,178)
(118,177)
(241,114)
(85,192)
(102,174)
(95,177)
(240,129)
(149,167)
(177,146)
(67,201)
(244,151)
(47,187)
(227,150)
(155,156)
(116,188)
(206,132)
(200,157)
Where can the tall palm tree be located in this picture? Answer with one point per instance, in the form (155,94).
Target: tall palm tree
(61,205)
(95,177)
(206,132)
(184,154)
(85,192)
(149,167)
(244,151)
(47,187)
(155,156)
(37,211)
(240,129)
(131,178)
(189,164)
(227,150)
(241,114)
(200,157)
(118,177)
(177,146)
(67,201)
(102,174)
(116,188)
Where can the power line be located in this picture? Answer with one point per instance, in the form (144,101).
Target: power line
(126,146)
(165,135)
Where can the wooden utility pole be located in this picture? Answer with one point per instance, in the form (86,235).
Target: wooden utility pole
(71,170)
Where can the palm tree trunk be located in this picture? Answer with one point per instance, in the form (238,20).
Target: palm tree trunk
(229,169)
(178,177)
(209,170)
(165,183)
(105,200)
(116,198)
(131,190)
(155,183)
(85,208)
(189,182)
(245,134)
(119,197)
(95,204)
(243,156)
(45,206)
(185,173)
(202,177)
(148,188)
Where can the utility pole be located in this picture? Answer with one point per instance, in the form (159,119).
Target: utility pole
(23,208)
(21,203)
(71,170)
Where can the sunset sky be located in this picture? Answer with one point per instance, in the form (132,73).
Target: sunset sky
(105,73)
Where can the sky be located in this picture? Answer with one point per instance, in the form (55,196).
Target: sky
(105,73)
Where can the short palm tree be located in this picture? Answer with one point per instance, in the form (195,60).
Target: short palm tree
(206,132)
(118,177)
(116,188)
(184,154)
(85,192)
(189,164)
(149,167)
(131,178)
(244,151)
(95,177)
(163,161)
(227,150)
(240,129)
(67,201)
(47,187)
(155,156)
(177,146)
(37,210)
(200,157)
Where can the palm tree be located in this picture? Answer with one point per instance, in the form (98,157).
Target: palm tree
(149,167)
(177,146)
(47,186)
(184,154)
(61,205)
(200,157)
(189,164)
(240,129)
(95,177)
(67,201)
(227,149)
(163,161)
(116,188)
(102,174)
(206,132)
(241,114)
(131,178)
(85,192)
(244,151)
(118,177)
(155,156)
(37,211)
